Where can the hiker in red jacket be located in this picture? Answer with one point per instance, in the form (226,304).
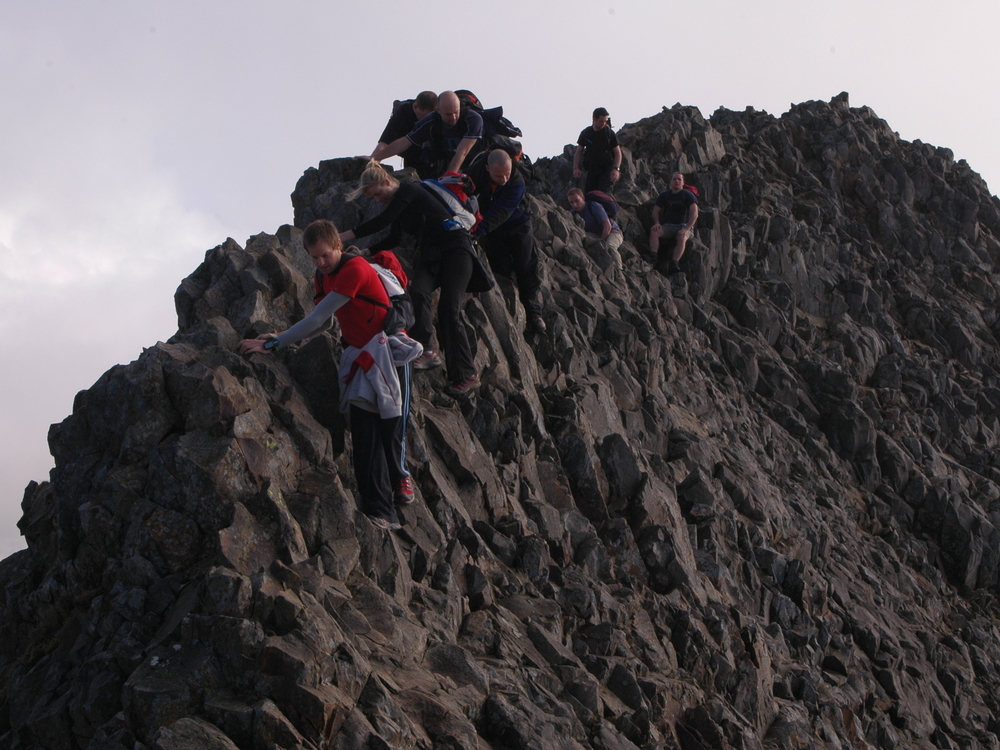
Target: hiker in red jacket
(375,368)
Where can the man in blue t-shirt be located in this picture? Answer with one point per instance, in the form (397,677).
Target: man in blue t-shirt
(448,136)
(596,222)
(674,215)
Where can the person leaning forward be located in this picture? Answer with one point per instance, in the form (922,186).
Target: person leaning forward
(505,231)
(448,136)
(595,219)
(374,369)
(405,115)
(674,215)
(445,261)
(598,153)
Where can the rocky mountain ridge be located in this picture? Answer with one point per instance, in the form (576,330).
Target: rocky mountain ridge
(750,506)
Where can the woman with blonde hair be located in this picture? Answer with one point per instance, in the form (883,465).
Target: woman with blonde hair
(445,261)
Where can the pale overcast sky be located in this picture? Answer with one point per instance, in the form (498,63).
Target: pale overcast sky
(134,136)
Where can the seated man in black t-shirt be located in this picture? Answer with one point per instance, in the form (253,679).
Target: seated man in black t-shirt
(405,115)
(674,215)
(598,152)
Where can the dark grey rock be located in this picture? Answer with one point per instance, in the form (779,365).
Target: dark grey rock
(753,504)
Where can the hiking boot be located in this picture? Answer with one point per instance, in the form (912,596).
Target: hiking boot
(385,524)
(426,361)
(673,268)
(404,491)
(463,386)
(537,324)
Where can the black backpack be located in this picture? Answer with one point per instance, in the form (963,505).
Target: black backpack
(494,123)
(519,160)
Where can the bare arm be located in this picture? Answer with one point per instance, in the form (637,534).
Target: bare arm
(460,153)
(398,146)
(381,151)
(656,217)
(692,217)
(617,151)
(606,229)
(577,156)
(305,327)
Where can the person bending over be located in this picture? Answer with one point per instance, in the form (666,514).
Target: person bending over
(405,115)
(445,261)
(595,219)
(448,137)
(505,231)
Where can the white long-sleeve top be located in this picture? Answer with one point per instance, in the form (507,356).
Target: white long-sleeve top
(368,377)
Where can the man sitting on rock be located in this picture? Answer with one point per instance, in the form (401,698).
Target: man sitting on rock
(375,369)
(447,136)
(405,115)
(598,152)
(674,215)
(505,231)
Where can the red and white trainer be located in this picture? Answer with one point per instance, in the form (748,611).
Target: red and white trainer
(462,387)
(426,361)
(404,491)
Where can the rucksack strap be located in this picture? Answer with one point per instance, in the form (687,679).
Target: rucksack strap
(362,297)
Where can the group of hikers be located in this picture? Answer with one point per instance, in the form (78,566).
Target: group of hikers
(472,155)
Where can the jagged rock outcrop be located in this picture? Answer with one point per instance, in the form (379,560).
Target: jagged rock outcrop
(751,506)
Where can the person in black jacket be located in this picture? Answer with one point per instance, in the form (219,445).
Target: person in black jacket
(445,262)
(448,137)
(405,114)
(505,231)
(598,153)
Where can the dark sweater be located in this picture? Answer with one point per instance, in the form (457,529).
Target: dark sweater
(415,211)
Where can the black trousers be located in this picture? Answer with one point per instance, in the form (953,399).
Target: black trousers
(380,453)
(511,250)
(451,273)
(598,178)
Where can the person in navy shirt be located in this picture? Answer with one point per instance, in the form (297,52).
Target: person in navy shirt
(448,136)
(596,220)
(674,215)
(505,231)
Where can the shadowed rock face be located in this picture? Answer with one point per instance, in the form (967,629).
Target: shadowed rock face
(751,506)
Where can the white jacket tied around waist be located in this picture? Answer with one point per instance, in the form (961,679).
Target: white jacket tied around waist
(368,377)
